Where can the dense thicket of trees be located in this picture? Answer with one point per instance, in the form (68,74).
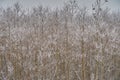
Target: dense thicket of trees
(61,44)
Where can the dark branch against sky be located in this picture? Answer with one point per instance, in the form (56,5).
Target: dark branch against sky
(112,4)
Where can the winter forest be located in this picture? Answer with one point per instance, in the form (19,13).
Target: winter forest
(70,43)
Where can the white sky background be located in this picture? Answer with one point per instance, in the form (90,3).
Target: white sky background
(114,5)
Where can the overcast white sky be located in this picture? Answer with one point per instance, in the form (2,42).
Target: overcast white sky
(113,4)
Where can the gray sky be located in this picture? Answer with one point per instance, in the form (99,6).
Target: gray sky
(113,4)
